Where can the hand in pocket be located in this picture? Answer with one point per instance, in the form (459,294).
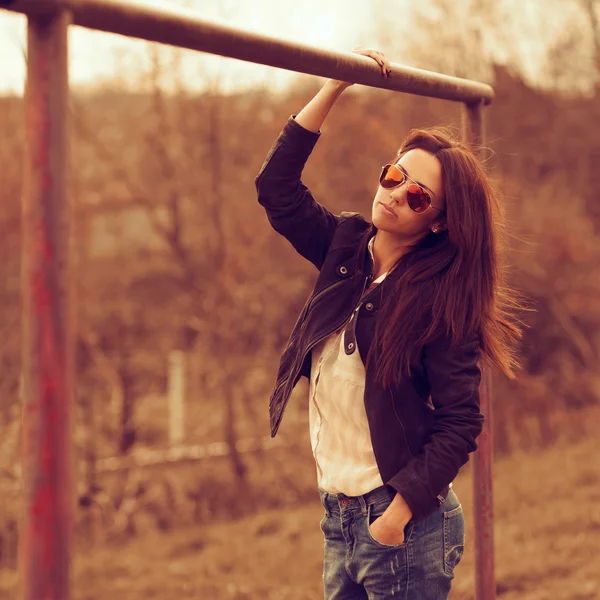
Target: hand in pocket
(385,533)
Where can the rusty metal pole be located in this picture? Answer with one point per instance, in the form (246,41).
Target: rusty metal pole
(186,29)
(485,583)
(46,532)
(485,579)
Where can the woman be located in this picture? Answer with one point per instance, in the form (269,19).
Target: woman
(403,308)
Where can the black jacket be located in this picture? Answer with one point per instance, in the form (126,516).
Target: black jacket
(423,430)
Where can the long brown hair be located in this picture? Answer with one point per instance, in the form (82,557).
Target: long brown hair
(452,283)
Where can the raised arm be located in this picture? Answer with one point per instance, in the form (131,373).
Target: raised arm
(291,208)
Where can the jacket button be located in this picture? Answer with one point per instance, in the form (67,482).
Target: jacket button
(369,306)
(343,270)
(351,346)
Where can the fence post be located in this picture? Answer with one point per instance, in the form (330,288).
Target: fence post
(485,584)
(176,396)
(47,346)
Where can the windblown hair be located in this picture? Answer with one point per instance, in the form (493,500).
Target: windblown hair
(452,283)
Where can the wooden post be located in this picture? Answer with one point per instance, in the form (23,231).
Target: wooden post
(176,397)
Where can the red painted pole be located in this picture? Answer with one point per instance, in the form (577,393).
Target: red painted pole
(46,532)
(485,583)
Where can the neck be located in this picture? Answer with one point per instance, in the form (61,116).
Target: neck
(387,250)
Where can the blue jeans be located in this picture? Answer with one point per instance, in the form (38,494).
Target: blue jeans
(358,567)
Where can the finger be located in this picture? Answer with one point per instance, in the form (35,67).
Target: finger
(367,52)
(375,57)
(384,58)
(382,61)
(387,67)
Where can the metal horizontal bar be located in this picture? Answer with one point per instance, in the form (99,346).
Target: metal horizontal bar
(184,29)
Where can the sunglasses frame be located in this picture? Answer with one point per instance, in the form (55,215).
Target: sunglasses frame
(407,178)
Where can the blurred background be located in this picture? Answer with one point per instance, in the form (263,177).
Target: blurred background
(181,493)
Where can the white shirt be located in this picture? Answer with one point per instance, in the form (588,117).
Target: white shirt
(339,431)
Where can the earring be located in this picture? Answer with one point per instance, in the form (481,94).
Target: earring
(435,230)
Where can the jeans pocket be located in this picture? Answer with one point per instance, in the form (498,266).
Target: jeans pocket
(454,538)
(322,523)
(374,512)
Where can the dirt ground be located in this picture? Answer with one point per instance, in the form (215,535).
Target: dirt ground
(547,538)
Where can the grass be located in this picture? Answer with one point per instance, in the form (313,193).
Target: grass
(547,535)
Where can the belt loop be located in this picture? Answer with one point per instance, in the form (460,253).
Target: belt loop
(363,504)
(324,497)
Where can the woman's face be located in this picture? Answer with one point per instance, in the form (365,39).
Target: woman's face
(425,169)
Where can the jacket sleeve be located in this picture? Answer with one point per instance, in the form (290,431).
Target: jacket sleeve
(454,379)
(291,208)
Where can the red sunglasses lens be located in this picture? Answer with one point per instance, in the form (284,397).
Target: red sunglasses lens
(418,199)
(390,177)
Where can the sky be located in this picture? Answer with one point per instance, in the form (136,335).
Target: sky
(95,56)
(515,32)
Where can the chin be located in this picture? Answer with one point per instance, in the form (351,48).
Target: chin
(378,221)
(382,224)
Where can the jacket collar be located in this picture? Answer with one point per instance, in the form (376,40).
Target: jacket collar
(366,259)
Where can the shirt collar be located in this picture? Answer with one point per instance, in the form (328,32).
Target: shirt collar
(370,246)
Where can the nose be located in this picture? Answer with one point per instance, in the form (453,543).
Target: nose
(398,196)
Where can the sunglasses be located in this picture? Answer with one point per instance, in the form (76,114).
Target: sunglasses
(417,197)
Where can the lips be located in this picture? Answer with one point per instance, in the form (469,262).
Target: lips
(387,209)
